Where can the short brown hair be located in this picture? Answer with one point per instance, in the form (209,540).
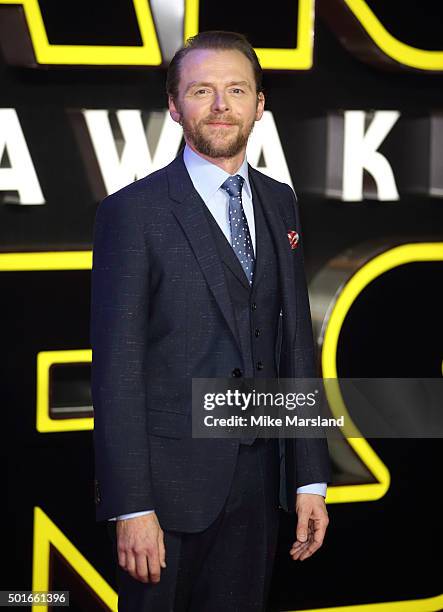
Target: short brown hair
(217,40)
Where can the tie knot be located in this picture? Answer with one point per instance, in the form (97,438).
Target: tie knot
(233,185)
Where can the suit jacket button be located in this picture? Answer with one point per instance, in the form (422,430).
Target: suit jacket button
(260,365)
(257,333)
(253,306)
(237,373)
(97,495)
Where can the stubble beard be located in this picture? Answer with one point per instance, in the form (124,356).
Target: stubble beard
(209,146)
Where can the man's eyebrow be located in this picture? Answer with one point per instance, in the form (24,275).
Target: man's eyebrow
(239,83)
(208,84)
(198,84)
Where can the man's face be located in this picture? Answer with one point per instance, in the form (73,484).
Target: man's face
(217,103)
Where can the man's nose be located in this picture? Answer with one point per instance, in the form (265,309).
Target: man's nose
(220,103)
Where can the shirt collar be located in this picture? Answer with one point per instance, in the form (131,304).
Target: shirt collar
(207,177)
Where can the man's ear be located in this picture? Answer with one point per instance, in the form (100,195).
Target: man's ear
(260,106)
(173,110)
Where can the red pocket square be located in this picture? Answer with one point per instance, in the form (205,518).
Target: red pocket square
(293,239)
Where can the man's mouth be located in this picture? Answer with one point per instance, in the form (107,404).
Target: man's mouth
(220,123)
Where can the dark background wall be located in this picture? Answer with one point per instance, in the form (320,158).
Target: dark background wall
(383,550)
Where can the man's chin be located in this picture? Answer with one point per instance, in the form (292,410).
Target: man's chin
(223,147)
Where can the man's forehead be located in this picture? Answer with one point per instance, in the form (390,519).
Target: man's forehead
(216,63)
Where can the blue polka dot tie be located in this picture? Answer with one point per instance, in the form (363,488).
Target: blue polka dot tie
(240,237)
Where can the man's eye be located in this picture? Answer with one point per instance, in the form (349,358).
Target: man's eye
(201,91)
(237,90)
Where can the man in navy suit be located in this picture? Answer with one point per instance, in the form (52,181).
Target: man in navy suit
(194,276)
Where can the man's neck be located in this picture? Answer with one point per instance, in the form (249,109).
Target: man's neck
(228,164)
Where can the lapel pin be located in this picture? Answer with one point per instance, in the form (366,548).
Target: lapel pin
(293,239)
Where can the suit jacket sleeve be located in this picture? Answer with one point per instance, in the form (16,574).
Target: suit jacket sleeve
(119,321)
(311,454)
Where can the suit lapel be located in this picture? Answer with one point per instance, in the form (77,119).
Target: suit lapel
(271,205)
(259,235)
(189,212)
(226,251)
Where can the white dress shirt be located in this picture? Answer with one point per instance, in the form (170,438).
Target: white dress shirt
(207,179)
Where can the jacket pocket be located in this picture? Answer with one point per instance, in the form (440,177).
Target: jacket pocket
(168,424)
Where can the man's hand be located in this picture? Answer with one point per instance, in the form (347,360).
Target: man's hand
(312,521)
(140,547)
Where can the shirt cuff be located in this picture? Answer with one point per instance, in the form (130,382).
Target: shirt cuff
(123,517)
(318,488)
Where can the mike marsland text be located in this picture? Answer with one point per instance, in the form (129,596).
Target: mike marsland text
(292,420)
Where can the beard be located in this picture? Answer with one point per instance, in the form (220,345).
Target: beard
(212,145)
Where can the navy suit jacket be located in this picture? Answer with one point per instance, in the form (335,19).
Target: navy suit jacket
(160,315)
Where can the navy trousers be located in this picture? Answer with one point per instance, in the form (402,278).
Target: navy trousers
(228,566)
